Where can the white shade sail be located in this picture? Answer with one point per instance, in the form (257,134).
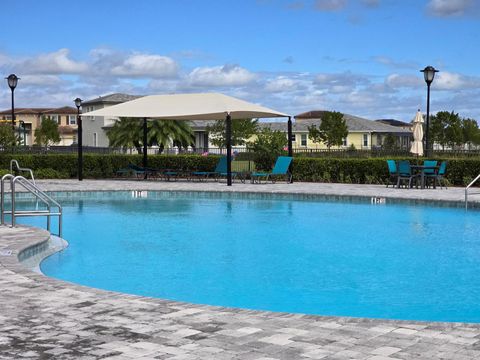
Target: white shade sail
(417,144)
(202,106)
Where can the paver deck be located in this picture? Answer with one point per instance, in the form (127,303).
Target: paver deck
(42,318)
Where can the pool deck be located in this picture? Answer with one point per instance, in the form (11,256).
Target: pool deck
(43,318)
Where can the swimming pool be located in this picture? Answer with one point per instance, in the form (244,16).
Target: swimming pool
(281,253)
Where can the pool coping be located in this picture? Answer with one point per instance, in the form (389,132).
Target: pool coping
(156,328)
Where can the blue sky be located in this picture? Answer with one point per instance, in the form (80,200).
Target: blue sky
(360,57)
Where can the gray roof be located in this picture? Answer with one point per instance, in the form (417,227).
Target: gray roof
(112,99)
(354,123)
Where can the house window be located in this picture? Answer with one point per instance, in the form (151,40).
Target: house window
(365,140)
(344,141)
(293,138)
(95,139)
(55,118)
(72,119)
(303,140)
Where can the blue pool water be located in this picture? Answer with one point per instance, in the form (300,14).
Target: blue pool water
(319,257)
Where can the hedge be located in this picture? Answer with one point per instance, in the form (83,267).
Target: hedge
(98,166)
(343,170)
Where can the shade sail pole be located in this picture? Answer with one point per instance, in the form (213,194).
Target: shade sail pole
(145,131)
(228,134)
(290,149)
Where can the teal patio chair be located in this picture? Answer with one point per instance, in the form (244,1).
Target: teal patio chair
(281,168)
(429,171)
(220,169)
(392,172)
(439,177)
(405,173)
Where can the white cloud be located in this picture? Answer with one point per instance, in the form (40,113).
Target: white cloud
(330,5)
(41,80)
(404,81)
(282,84)
(445,8)
(145,65)
(452,81)
(227,75)
(54,63)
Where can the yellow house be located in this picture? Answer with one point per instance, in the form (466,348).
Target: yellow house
(362,133)
(28,119)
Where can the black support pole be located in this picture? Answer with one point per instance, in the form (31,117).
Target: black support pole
(427,140)
(145,131)
(290,149)
(228,131)
(80,146)
(13,112)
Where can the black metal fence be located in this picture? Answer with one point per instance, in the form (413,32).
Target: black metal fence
(245,153)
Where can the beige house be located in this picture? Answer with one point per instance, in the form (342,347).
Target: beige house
(28,119)
(362,133)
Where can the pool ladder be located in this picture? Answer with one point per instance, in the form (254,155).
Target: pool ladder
(39,195)
(466,191)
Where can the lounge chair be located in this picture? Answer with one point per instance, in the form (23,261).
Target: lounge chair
(405,173)
(138,171)
(393,172)
(220,169)
(439,176)
(281,168)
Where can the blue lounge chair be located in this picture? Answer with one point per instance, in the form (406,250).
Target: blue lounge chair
(220,169)
(138,171)
(393,172)
(281,168)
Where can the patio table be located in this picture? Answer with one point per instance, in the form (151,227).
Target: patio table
(420,169)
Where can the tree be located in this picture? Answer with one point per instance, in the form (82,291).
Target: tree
(268,145)
(471,132)
(128,132)
(242,130)
(389,142)
(7,136)
(47,133)
(437,128)
(332,130)
(453,130)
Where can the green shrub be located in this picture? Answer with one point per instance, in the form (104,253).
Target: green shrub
(102,166)
(331,170)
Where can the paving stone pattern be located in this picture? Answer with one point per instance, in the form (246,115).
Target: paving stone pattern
(45,318)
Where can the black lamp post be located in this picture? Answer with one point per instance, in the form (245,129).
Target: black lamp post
(12,80)
(78,104)
(429,74)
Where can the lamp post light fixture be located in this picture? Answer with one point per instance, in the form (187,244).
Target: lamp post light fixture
(78,104)
(429,75)
(12,80)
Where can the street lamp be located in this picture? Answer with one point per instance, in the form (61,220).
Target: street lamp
(78,104)
(429,74)
(12,80)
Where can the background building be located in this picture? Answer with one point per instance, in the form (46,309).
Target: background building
(28,119)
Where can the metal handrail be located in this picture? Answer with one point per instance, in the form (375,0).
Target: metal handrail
(468,187)
(46,199)
(15,162)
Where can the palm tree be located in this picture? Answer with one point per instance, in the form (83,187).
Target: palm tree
(128,132)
